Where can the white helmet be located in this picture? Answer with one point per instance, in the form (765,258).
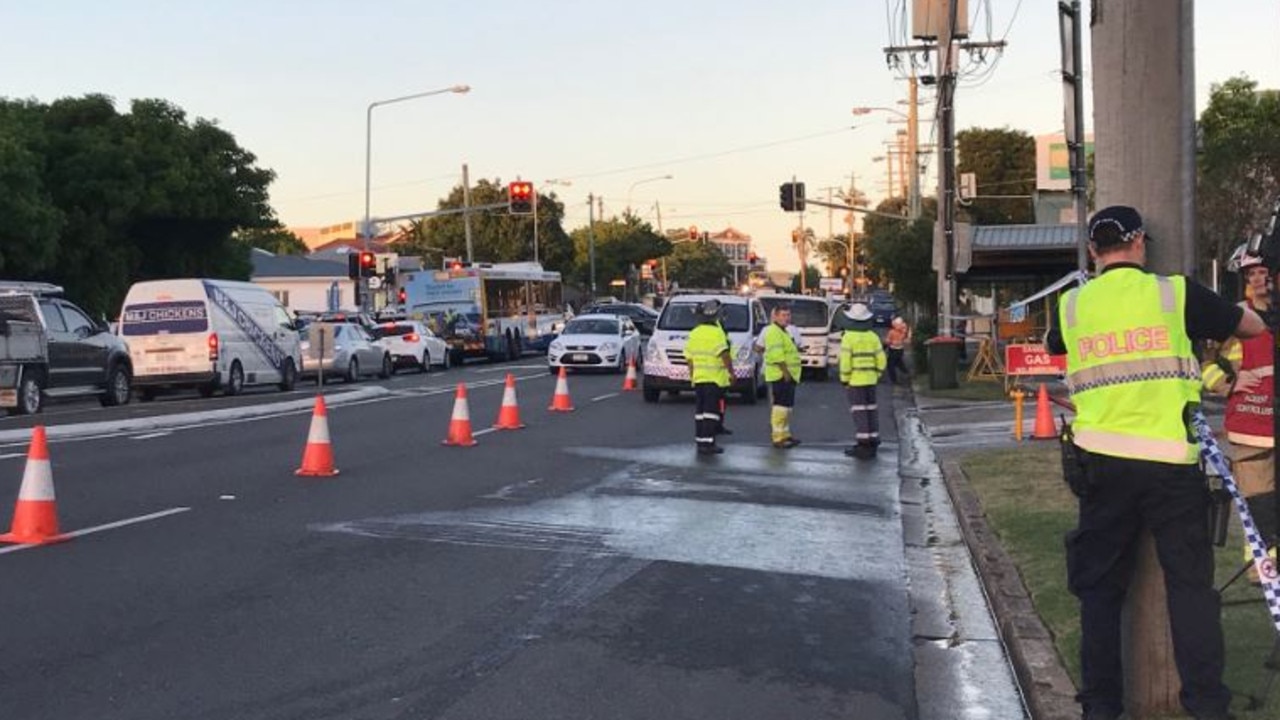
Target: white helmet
(1241,259)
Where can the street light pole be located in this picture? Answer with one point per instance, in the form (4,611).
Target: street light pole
(368,144)
(641,182)
(913,145)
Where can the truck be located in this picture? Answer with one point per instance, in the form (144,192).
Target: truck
(496,311)
(24,352)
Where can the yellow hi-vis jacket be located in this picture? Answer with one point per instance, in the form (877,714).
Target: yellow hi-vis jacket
(702,351)
(780,349)
(1130,366)
(861,358)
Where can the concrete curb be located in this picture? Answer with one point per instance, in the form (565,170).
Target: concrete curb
(203,417)
(1049,690)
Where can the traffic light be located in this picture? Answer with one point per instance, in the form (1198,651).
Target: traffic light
(520,198)
(368,264)
(693,232)
(353,265)
(791,196)
(402,297)
(752,258)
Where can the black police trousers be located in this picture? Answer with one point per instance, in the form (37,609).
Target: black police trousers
(1122,497)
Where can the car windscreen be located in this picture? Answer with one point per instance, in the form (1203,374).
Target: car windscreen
(591,327)
(684,316)
(804,313)
(382,331)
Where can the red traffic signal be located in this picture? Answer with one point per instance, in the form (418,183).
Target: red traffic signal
(520,197)
(752,258)
(368,264)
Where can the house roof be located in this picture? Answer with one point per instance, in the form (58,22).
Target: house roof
(997,238)
(267,265)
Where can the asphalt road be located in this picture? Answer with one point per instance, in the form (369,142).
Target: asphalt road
(588,566)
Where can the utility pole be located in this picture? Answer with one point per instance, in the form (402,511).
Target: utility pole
(466,210)
(591,240)
(1144,125)
(902,166)
(851,260)
(913,148)
(1071,20)
(657,208)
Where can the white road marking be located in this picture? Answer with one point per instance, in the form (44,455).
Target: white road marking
(506,368)
(485,431)
(148,436)
(605,397)
(108,526)
(7,456)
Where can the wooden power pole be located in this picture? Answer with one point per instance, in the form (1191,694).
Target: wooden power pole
(1144,125)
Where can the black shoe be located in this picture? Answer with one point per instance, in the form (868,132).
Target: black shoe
(723,431)
(709,450)
(792,442)
(851,451)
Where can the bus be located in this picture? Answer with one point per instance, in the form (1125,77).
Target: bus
(488,310)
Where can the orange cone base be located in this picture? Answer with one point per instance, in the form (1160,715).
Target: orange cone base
(509,425)
(562,408)
(469,442)
(303,472)
(33,539)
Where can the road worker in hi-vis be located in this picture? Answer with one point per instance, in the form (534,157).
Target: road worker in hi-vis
(862,360)
(1243,372)
(1135,382)
(707,352)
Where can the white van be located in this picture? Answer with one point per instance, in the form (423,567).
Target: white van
(208,335)
(665,368)
(811,319)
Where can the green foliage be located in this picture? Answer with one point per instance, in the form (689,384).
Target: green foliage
(622,245)
(496,236)
(833,253)
(699,265)
(1004,161)
(811,277)
(275,239)
(902,251)
(1239,165)
(94,199)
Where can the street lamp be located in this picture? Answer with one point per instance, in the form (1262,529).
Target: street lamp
(641,182)
(913,148)
(368,143)
(553,181)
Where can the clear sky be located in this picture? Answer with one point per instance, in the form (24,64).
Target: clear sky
(730,98)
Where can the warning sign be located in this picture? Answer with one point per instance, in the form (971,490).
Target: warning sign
(1032,359)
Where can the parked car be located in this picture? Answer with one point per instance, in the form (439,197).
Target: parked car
(595,341)
(643,317)
(73,356)
(412,344)
(342,349)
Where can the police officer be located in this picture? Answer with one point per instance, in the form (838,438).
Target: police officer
(707,352)
(1135,382)
(782,372)
(862,361)
(1243,371)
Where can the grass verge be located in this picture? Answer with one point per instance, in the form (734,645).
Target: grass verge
(968,390)
(1030,509)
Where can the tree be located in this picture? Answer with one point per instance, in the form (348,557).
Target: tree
(1239,165)
(1004,162)
(834,253)
(698,265)
(902,251)
(275,239)
(811,277)
(496,235)
(621,246)
(93,199)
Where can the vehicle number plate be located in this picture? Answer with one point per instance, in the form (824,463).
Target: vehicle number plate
(579,357)
(8,398)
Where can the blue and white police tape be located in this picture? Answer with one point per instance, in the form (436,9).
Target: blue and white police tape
(1266,565)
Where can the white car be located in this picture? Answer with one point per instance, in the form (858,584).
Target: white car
(595,341)
(412,344)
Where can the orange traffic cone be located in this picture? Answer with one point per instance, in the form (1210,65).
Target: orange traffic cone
(560,402)
(509,413)
(317,457)
(460,423)
(1045,428)
(35,517)
(630,383)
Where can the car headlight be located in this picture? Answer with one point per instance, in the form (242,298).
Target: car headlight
(608,347)
(652,353)
(556,346)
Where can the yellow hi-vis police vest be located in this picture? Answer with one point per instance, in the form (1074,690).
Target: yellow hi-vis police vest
(861,358)
(1130,366)
(702,351)
(780,349)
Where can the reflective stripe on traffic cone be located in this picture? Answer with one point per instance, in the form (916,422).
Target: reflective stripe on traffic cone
(317,458)
(630,382)
(509,414)
(560,402)
(1045,428)
(35,517)
(460,423)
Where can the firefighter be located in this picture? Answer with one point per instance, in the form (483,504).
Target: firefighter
(1135,382)
(707,353)
(862,361)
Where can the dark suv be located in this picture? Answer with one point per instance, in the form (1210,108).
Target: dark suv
(643,317)
(84,357)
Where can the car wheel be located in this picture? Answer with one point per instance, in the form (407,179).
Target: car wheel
(288,376)
(426,361)
(119,387)
(651,395)
(353,370)
(622,363)
(235,383)
(30,394)
(388,367)
(448,359)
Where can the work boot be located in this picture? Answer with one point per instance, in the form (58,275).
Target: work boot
(709,450)
(722,430)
